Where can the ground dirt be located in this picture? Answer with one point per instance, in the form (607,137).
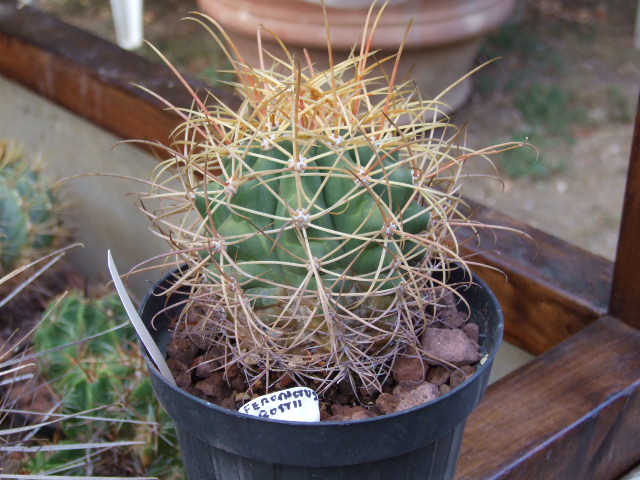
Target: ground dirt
(567,81)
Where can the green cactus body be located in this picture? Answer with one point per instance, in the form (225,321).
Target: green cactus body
(300,193)
(14,227)
(29,218)
(73,319)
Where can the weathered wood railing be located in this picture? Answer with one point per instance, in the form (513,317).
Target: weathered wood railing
(571,413)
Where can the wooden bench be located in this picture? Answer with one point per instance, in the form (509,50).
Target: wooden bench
(572,413)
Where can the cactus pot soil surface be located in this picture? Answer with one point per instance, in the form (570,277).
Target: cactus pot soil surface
(421,442)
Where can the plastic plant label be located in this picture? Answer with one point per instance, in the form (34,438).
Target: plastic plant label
(137,322)
(298,404)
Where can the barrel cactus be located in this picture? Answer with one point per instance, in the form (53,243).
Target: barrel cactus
(316,220)
(30,223)
(90,371)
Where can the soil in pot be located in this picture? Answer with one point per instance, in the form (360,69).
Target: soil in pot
(451,355)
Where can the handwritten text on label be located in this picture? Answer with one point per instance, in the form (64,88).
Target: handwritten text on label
(299,404)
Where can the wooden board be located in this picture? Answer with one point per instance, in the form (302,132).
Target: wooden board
(572,413)
(548,288)
(625,297)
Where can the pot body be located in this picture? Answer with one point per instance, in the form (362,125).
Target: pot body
(419,443)
(440,47)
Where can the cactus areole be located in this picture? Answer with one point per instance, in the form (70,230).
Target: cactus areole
(316,220)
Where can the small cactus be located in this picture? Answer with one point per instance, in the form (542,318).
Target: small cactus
(30,223)
(101,373)
(90,371)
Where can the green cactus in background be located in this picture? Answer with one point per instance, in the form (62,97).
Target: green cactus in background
(30,224)
(106,371)
(324,211)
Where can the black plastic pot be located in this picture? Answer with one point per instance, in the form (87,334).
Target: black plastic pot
(420,443)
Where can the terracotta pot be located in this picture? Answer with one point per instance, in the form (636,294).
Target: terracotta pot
(440,48)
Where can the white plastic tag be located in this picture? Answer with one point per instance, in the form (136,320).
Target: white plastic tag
(137,322)
(298,404)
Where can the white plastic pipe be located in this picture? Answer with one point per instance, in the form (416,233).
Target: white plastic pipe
(636,39)
(127,18)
